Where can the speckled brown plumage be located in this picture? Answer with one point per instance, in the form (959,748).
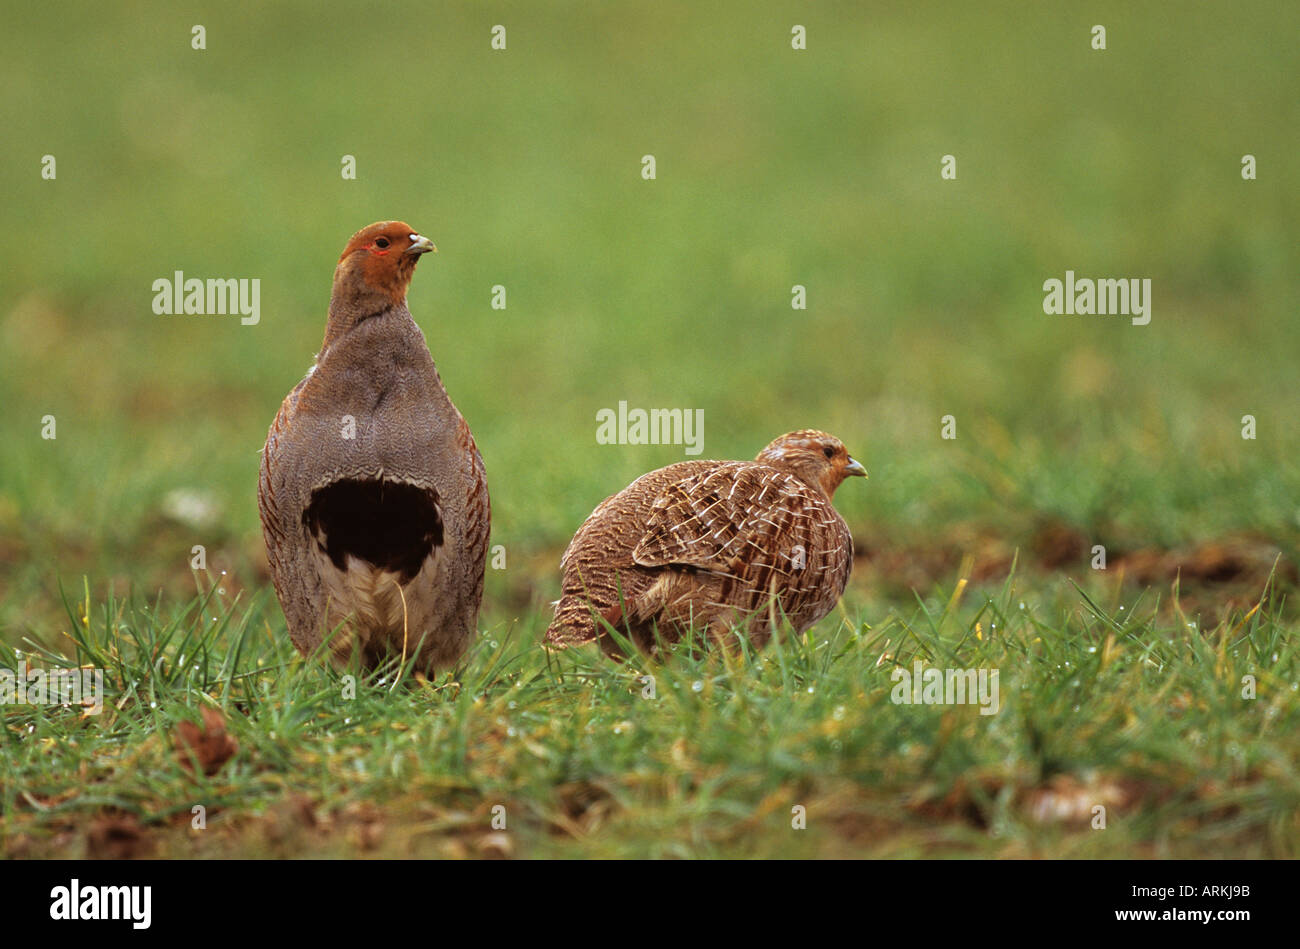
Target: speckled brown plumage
(711,544)
(372,492)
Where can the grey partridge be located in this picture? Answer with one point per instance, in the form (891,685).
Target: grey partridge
(709,545)
(372,492)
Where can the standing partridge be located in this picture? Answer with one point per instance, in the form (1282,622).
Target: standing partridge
(372,493)
(711,544)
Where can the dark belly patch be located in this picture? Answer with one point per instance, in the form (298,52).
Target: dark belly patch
(392,525)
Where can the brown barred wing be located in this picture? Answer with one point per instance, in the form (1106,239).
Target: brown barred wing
(762,531)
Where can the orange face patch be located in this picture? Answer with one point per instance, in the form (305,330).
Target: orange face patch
(387,266)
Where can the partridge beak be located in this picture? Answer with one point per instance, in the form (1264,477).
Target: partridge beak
(855,468)
(420,245)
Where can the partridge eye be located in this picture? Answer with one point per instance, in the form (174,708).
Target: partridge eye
(828,451)
(381,242)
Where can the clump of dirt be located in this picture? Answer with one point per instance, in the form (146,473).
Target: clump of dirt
(1219,574)
(112,836)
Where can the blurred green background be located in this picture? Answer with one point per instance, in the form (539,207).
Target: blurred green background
(775,167)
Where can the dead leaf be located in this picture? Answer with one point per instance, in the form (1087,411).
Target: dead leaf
(210,745)
(1070,799)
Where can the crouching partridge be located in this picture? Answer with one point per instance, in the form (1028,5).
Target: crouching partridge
(709,545)
(372,492)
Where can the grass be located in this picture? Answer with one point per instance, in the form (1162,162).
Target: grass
(775,168)
(1100,702)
